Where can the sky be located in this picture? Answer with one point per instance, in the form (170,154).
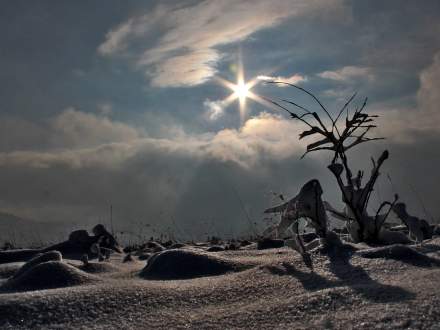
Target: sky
(120,103)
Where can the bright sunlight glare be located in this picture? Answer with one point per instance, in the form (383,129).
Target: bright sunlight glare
(242,90)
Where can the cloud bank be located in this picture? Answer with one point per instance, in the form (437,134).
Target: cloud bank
(409,125)
(147,179)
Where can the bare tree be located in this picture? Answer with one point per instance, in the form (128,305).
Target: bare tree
(339,136)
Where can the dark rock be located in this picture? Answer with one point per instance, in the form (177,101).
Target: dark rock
(167,244)
(177,246)
(129,249)
(105,239)
(215,248)
(269,243)
(128,258)
(80,237)
(78,243)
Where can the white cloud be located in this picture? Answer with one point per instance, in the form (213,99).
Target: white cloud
(187,52)
(214,109)
(263,136)
(116,40)
(69,129)
(87,140)
(348,73)
(295,79)
(189,69)
(74,128)
(428,95)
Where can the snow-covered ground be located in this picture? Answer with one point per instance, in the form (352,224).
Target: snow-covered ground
(274,290)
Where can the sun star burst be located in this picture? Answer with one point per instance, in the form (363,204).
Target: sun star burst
(241,91)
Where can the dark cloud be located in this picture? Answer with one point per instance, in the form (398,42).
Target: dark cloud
(223,177)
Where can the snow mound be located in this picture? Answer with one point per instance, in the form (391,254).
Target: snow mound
(47,275)
(186,264)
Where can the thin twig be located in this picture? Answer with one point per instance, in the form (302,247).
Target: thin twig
(298,106)
(305,91)
(344,107)
(292,114)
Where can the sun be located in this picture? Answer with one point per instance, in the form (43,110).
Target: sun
(242,90)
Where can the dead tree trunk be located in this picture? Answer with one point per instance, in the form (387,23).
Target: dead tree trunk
(306,204)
